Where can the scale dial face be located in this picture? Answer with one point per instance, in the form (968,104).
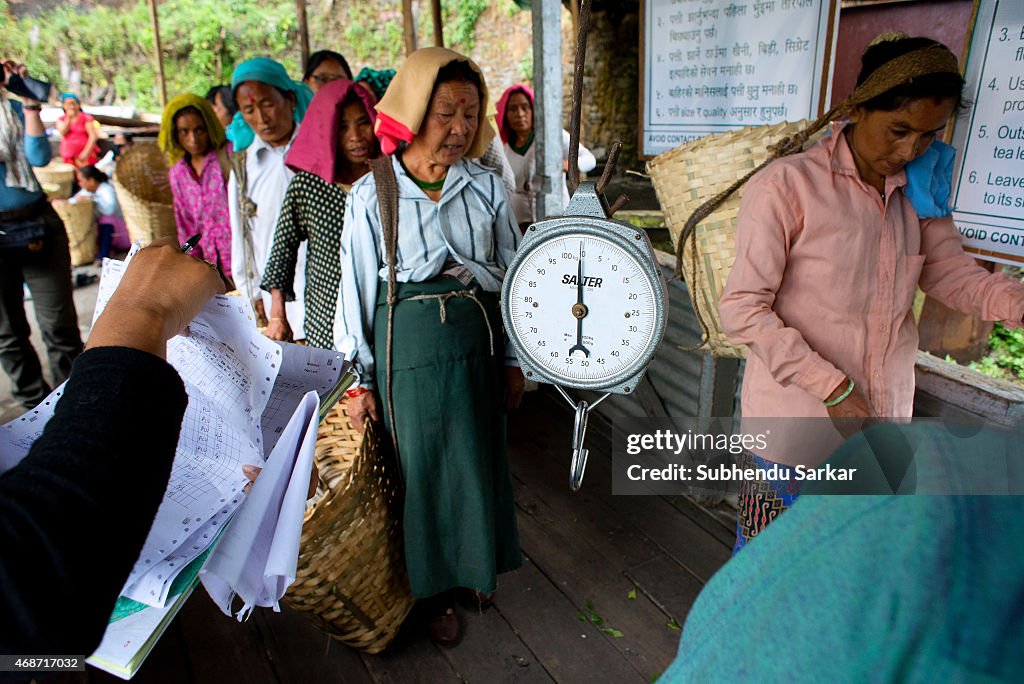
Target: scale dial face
(583,309)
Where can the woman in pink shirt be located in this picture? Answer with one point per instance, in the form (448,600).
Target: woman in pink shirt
(79,132)
(831,245)
(193,139)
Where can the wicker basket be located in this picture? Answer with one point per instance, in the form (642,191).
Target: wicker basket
(684,179)
(351,580)
(144,193)
(80,224)
(56,179)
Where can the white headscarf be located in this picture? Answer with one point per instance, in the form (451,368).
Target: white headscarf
(12,148)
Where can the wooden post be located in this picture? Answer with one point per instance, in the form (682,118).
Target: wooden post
(574,12)
(435,8)
(943,331)
(159,53)
(547,77)
(300,13)
(408,27)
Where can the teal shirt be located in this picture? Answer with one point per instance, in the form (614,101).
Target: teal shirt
(870,588)
(38,153)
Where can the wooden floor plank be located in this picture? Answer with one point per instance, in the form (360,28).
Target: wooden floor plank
(221,649)
(711,521)
(694,547)
(628,537)
(412,658)
(298,651)
(672,591)
(569,650)
(589,572)
(491,652)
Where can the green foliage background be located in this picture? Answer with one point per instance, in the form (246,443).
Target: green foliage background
(112,47)
(1006,360)
(202,40)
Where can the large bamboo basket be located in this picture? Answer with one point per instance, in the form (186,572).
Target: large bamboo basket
(684,179)
(56,179)
(351,580)
(144,193)
(80,224)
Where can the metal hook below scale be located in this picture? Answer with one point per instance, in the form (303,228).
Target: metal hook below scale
(578,466)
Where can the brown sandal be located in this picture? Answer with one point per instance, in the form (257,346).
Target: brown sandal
(445,629)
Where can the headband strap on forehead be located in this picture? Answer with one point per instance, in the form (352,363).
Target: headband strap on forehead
(934,59)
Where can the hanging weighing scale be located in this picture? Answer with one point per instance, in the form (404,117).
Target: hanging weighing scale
(584,304)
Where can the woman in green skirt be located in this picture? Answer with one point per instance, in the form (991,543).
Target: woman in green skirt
(451,374)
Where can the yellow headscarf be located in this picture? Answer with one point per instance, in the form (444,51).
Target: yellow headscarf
(168,141)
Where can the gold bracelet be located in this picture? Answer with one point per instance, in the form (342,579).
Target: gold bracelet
(279,318)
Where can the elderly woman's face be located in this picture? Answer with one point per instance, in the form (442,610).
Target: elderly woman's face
(267,111)
(884,142)
(451,123)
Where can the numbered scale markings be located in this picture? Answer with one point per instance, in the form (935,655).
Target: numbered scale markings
(585,309)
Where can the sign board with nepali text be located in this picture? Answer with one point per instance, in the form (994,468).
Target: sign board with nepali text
(712,66)
(989,198)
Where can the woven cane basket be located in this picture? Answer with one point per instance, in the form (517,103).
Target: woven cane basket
(684,179)
(80,225)
(56,179)
(144,193)
(351,580)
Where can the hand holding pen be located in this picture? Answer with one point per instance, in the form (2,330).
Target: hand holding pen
(160,293)
(191,244)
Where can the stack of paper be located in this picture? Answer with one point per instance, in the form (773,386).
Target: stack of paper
(248,396)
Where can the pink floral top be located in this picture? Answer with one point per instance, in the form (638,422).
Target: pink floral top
(201,206)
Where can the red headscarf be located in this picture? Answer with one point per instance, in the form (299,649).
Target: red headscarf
(503,129)
(316,146)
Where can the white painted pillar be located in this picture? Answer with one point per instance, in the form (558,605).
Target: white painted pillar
(547,124)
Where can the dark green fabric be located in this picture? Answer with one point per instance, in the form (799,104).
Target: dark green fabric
(459,515)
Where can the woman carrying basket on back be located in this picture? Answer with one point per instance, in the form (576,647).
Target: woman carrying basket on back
(434,348)
(330,153)
(831,246)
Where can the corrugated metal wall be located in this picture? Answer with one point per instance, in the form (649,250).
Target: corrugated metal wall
(674,373)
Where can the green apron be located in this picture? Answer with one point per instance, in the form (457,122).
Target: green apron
(449,393)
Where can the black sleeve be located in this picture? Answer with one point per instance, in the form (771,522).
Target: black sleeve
(75,512)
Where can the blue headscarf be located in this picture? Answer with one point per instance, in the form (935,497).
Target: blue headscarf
(267,71)
(69,96)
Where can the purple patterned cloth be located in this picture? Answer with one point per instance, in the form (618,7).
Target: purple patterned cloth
(201,206)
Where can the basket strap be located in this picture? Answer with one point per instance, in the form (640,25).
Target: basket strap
(246,212)
(387,204)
